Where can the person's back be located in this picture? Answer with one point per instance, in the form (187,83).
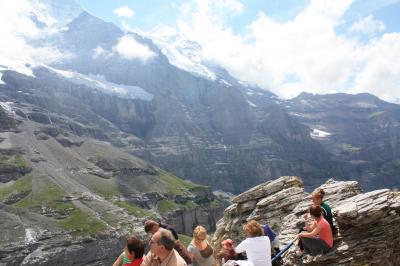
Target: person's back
(258,250)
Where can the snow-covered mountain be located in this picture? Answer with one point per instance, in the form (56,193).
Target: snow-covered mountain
(60,12)
(181,52)
(27,29)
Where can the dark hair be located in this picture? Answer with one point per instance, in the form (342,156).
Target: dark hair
(166,239)
(148,225)
(316,211)
(134,244)
(320,193)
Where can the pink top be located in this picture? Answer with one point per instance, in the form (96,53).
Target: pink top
(326,232)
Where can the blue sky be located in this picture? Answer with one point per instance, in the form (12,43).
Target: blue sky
(149,13)
(285,46)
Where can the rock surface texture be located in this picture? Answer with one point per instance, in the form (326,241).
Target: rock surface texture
(367,224)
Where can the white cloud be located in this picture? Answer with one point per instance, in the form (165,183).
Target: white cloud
(128,48)
(367,25)
(230,5)
(18,33)
(302,54)
(124,11)
(381,72)
(100,52)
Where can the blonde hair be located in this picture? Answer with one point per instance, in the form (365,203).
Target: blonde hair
(253,229)
(319,193)
(199,232)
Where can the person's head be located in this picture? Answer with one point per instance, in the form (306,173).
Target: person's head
(151,227)
(227,244)
(318,196)
(162,242)
(253,229)
(135,247)
(199,234)
(315,211)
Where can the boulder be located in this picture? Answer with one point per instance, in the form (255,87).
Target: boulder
(368,224)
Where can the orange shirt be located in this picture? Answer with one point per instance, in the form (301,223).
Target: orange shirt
(326,232)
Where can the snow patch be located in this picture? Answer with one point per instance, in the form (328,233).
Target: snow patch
(251,103)
(7,107)
(293,113)
(30,236)
(243,83)
(222,81)
(99,82)
(18,66)
(316,133)
(1,81)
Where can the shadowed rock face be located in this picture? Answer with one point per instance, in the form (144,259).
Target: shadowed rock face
(69,198)
(367,223)
(364,132)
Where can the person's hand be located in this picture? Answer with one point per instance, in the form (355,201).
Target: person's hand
(307,228)
(305,216)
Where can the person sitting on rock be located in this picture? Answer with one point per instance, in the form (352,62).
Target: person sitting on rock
(152,227)
(273,237)
(319,238)
(227,252)
(257,246)
(202,254)
(317,199)
(162,252)
(133,253)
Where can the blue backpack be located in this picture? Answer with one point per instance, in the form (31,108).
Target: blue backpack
(269,232)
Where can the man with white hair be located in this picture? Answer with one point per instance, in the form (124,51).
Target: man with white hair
(162,252)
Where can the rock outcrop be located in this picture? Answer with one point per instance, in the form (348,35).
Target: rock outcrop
(367,224)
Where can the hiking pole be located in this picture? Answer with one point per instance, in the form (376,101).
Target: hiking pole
(283,250)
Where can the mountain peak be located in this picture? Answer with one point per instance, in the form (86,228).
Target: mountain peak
(62,11)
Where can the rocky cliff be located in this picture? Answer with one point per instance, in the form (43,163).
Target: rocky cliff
(368,223)
(68,196)
(361,130)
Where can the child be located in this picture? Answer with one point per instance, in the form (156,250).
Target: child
(227,252)
(133,253)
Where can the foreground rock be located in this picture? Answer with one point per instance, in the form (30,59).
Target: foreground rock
(368,224)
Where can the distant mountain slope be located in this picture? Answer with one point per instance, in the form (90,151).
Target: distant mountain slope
(361,130)
(207,131)
(61,179)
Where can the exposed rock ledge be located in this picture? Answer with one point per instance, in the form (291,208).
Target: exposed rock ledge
(368,224)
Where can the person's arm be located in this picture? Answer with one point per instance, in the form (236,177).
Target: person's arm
(315,231)
(118,261)
(191,250)
(241,247)
(310,228)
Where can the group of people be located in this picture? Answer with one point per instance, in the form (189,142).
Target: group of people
(256,249)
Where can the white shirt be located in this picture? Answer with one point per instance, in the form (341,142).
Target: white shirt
(258,250)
